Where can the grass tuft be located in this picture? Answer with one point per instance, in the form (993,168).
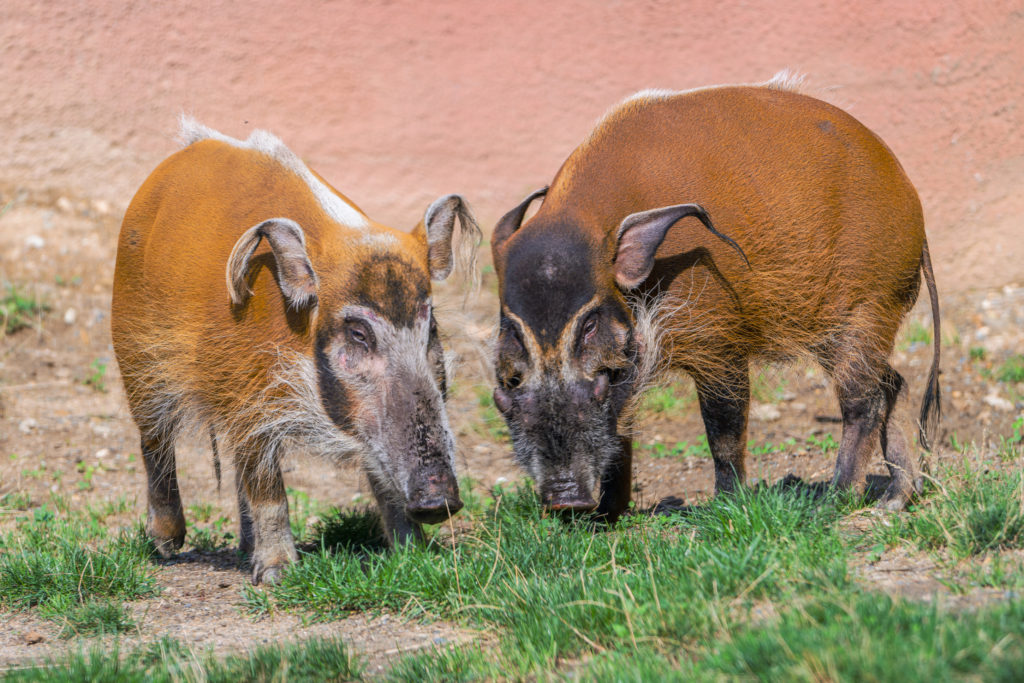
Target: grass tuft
(1011,370)
(74,571)
(168,660)
(19,310)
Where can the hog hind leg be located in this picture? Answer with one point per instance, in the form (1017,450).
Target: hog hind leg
(904,477)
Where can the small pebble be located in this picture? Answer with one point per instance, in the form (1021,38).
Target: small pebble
(35,242)
(998,402)
(69,316)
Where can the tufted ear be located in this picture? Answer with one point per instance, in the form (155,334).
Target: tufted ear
(295,274)
(640,235)
(439,228)
(512,220)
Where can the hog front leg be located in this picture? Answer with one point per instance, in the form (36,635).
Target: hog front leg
(263,488)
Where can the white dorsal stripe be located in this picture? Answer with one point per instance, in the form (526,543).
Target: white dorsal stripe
(786,79)
(191,131)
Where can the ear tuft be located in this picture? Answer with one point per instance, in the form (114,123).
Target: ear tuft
(298,281)
(439,224)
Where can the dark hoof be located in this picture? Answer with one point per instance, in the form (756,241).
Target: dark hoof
(267,575)
(167,547)
(268,565)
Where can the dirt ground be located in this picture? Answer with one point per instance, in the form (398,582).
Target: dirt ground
(65,429)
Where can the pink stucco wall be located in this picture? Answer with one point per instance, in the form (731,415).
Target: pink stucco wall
(398,102)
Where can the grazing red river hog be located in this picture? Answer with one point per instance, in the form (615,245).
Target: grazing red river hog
(831,249)
(253,299)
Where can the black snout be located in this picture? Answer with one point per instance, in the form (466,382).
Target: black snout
(567,496)
(433,498)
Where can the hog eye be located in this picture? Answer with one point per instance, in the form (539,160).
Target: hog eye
(358,333)
(590,327)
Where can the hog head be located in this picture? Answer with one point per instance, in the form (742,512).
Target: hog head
(569,350)
(377,356)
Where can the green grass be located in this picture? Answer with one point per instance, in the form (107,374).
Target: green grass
(871,637)
(170,661)
(916,332)
(700,449)
(670,400)
(73,570)
(19,310)
(768,385)
(557,589)
(1011,370)
(973,511)
(756,585)
(492,424)
(97,376)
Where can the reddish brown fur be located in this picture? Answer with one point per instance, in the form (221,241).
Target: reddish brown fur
(828,219)
(247,370)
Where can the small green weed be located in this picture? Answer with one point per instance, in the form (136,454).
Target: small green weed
(213,537)
(1011,447)
(673,399)
(826,443)
(19,311)
(768,386)
(302,510)
(96,378)
(977,353)
(493,424)
(1011,370)
(15,500)
(915,333)
(681,449)
(200,512)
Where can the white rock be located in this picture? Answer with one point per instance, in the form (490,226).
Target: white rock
(500,480)
(65,205)
(69,316)
(102,453)
(101,206)
(35,242)
(765,412)
(998,402)
(27,425)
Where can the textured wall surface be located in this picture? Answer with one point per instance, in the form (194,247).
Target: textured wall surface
(398,102)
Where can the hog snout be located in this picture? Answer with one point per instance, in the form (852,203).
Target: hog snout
(567,496)
(433,497)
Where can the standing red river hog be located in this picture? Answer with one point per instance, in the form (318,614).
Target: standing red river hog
(609,278)
(253,299)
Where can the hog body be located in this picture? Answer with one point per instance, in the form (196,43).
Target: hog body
(831,249)
(253,299)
